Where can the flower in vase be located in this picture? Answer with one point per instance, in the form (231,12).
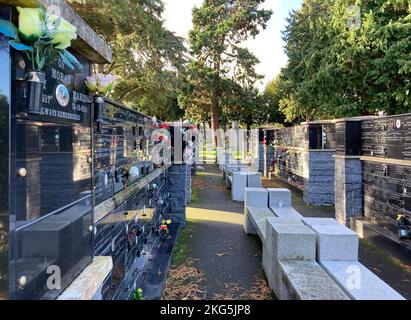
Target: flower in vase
(91,83)
(30,23)
(101,84)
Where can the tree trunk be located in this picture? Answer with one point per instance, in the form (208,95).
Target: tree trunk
(215,115)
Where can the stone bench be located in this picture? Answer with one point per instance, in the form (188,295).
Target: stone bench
(358,282)
(279,198)
(306,280)
(294,273)
(256,218)
(242,180)
(337,253)
(267,248)
(230,169)
(336,242)
(256,199)
(292,245)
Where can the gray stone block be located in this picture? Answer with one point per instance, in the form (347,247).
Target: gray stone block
(257,197)
(319,221)
(279,198)
(267,245)
(254,180)
(336,243)
(252,217)
(292,242)
(358,282)
(239,183)
(306,280)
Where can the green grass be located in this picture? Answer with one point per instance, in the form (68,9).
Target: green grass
(183,245)
(391,260)
(195,195)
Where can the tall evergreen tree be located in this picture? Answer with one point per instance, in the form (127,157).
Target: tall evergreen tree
(220,63)
(149,59)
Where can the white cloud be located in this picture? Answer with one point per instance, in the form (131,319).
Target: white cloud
(267,46)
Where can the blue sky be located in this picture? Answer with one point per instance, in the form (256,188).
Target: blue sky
(267,46)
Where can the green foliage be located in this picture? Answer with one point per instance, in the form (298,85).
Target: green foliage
(337,68)
(149,60)
(222,71)
(272,96)
(138,294)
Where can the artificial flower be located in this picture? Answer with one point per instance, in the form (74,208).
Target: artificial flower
(64,34)
(91,83)
(30,23)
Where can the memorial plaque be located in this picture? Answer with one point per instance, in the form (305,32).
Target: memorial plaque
(53,196)
(348,138)
(387,193)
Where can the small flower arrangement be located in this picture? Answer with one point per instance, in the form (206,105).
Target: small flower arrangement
(41,34)
(165,126)
(164,228)
(101,84)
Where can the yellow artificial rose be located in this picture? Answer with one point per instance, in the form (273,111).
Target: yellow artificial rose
(30,23)
(64,34)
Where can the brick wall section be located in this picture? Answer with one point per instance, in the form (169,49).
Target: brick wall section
(179,189)
(319,187)
(348,189)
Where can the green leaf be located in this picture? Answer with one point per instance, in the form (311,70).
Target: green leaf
(20,46)
(66,61)
(73,59)
(8,29)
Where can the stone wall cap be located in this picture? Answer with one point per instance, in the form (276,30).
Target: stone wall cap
(86,285)
(338,156)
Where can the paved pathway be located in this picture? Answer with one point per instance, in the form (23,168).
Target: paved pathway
(230,260)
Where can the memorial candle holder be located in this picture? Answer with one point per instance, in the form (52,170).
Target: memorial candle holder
(36,81)
(99,111)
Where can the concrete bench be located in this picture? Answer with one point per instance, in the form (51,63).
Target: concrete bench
(306,280)
(358,282)
(337,253)
(287,243)
(241,181)
(279,198)
(229,170)
(295,275)
(257,217)
(336,242)
(267,248)
(292,244)
(255,198)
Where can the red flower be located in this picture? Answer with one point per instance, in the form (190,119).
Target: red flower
(164,126)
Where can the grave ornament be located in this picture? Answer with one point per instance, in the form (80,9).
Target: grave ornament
(41,36)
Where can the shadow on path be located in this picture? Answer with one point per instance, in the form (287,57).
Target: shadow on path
(229,259)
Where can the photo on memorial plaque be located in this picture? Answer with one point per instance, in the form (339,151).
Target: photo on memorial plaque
(62,95)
